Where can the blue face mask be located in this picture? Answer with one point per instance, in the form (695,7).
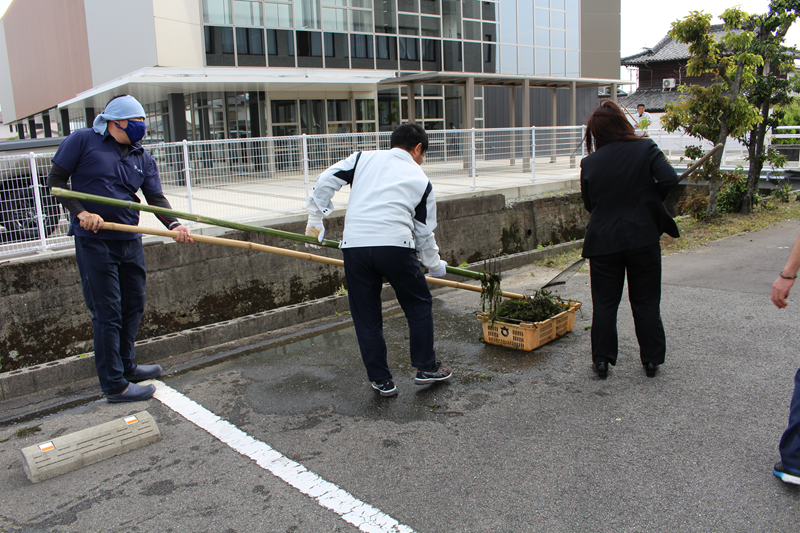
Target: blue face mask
(134,130)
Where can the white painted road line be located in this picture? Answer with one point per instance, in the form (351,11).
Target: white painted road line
(365,517)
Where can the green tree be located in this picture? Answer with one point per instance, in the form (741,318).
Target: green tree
(770,87)
(722,110)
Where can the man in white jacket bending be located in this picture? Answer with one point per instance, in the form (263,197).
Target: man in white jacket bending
(388,229)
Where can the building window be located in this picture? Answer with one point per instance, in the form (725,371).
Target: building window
(250,41)
(309,44)
(309,49)
(431,27)
(307,14)
(451,19)
(385,14)
(217,12)
(362,52)
(247,13)
(250,47)
(408,24)
(278,15)
(409,49)
(336,51)
(361,20)
(362,46)
(280,47)
(334,19)
(219,46)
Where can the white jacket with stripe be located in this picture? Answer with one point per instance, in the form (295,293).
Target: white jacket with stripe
(391,202)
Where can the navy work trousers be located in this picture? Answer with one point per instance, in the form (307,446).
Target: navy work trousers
(607,273)
(790,441)
(113,278)
(364,270)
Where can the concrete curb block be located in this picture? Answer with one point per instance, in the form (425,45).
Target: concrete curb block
(58,374)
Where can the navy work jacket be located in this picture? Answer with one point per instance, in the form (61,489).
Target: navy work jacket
(97,166)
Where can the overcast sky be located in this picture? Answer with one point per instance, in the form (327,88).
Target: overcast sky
(645,23)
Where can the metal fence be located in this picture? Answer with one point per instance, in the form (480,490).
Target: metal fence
(259,179)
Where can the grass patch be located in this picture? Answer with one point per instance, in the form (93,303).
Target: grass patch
(24,432)
(696,233)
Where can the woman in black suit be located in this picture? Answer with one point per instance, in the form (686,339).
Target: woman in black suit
(624,181)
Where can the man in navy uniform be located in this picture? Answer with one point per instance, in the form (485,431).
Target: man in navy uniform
(107,160)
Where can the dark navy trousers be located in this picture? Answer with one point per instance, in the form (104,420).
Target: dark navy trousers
(790,441)
(364,270)
(607,274)
(113,278)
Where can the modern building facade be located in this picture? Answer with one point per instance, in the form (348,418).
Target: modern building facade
(212,69)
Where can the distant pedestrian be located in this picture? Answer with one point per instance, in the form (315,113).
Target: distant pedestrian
(624,181)
(788,469)
(642,119)
(107,160)
(391,215)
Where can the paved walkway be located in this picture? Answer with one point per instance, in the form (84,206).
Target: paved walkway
(517,442)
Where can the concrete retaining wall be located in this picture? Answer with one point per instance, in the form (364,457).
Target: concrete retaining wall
(43,317)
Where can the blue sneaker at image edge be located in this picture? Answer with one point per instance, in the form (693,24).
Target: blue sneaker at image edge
(785,474)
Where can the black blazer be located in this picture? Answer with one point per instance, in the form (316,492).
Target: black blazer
(623,185)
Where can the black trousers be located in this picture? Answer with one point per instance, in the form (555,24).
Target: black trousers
(113,278)
(607,272)
(364,270)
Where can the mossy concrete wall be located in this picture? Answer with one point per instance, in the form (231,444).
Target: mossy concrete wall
(43,316)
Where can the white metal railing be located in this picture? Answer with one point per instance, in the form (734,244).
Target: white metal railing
(269,177)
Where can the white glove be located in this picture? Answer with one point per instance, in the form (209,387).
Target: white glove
(439,272)
(315,230)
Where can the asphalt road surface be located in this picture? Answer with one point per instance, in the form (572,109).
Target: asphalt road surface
(518,441)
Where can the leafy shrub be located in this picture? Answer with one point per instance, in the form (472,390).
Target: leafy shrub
(784,193)
(732,193)
(695,204)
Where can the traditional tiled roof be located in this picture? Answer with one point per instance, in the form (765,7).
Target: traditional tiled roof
(667,49)
(653,99)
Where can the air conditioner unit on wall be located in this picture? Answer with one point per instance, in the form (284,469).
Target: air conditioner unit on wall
(668,83)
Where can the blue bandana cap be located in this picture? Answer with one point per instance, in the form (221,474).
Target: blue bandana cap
(121,108)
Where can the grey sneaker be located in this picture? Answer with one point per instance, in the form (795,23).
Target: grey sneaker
(386,388)
(438,373)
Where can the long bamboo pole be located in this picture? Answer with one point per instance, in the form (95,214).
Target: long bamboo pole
(67,193)
(282,251)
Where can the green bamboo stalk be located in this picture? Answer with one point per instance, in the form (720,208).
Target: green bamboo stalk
(67,193)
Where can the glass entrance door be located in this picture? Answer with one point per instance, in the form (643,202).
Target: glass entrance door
(312,117)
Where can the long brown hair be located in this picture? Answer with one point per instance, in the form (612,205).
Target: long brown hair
(607,125)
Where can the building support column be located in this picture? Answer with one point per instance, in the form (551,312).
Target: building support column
(553,122)
(89,113)
(410,102)
(573,103)
(526,123)
(470,99)
(613,92)
(573,120)
(177,117)
(20,127)
(65,128)
(48,132)
(512,116)
(32,128)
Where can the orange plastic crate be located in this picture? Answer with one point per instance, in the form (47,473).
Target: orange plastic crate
(526,335)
